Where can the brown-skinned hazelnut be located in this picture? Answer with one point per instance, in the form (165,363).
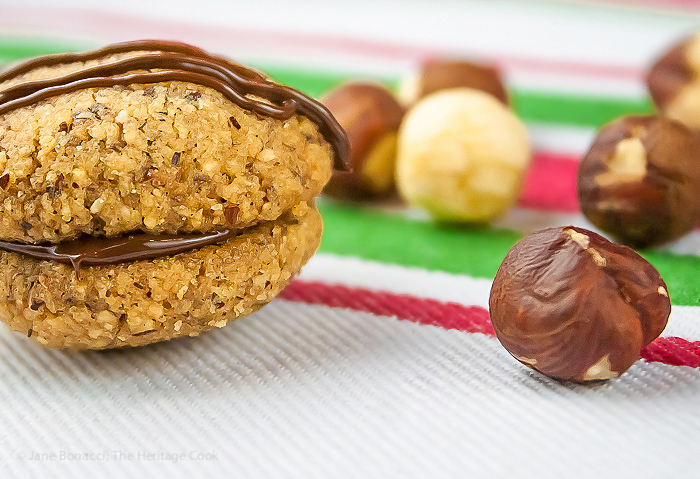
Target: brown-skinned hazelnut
(370,115)
(574,306)
(442,74)
(639,182)
(674,82)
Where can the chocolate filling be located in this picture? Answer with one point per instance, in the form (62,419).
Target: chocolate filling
(172,62)
(175,62)
(100,250)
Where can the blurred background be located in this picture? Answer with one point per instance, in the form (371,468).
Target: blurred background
(570,65)
(307,388)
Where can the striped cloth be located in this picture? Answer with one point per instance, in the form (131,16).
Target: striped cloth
(379,360)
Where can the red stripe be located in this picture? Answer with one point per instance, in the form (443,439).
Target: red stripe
(691,5)
(103,24)
(550,183)
(674,351)
(472,319)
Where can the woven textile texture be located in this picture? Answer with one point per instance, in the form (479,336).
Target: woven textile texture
(379,360)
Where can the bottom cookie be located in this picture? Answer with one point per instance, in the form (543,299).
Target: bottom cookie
(142,302)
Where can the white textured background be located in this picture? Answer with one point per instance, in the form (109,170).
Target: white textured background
(310,391)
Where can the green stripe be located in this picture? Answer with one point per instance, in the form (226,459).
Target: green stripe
(314,82)
(17,48)
(390,238)
(531,106)
(575,110)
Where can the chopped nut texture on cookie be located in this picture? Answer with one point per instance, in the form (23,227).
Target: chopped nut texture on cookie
(153,143)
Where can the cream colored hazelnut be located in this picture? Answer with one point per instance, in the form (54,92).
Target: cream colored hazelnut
(370,115)
(462,156)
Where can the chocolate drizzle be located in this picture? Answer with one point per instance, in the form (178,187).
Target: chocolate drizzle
(98,250)
(157,62)
(170,61)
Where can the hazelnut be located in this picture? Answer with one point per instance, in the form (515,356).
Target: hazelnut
(370,115)
(674,82)
(574,306)
(442,74)
(461,156)
(639,182)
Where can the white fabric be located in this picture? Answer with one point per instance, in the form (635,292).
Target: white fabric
(314,392)
(569,140)
(311,391)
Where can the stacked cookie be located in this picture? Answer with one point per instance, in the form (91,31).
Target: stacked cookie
(150,190)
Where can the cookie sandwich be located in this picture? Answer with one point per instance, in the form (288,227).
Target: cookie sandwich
(150,190)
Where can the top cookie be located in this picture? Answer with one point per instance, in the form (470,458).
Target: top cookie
(157,137)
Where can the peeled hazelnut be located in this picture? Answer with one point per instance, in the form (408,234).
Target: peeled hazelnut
(462,156)
(674,82)
(639,182)
(441,74)
(370,115)
(574,306)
